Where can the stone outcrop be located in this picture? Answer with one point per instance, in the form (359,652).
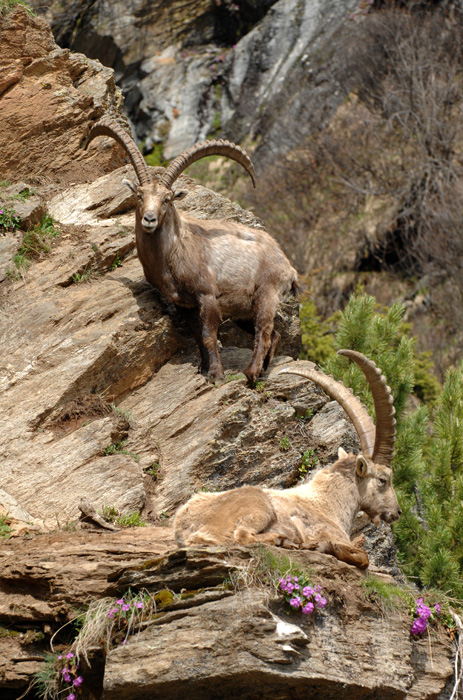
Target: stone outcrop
(211,638)
(257,68)
(86,406)
(49,98)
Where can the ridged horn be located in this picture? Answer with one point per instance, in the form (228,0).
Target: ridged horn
(375,443)
(384,407)
(107,126)
(363,423)
(208,148)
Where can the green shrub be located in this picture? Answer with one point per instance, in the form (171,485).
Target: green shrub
(428,458)
(317,335)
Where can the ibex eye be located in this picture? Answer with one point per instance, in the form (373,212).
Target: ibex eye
(382,481)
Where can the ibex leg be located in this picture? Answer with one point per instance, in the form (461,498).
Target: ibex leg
(210,318)
(349,554)
(275,337)
(265,305)
(191,317)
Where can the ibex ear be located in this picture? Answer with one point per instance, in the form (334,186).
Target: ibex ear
(342,454)
(180,194)
(361,466)
(131,185)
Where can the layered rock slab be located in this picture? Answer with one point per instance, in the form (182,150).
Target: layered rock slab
(246,646)
(91,333)
(213,639)
(49,98)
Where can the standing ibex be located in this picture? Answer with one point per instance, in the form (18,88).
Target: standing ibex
(318,514)
(213,268)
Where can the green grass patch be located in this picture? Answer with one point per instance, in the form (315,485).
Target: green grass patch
(113,515)
(389,595)
(36,243)
(7,6)
(84,276)
(120,449)
(5,529)
(156,157)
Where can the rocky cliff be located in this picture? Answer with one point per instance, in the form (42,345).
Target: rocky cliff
(103,410)
(256,68)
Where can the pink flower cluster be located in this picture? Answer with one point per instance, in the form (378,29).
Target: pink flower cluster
(70,674)
(423,613)
(124,607)
(300,594)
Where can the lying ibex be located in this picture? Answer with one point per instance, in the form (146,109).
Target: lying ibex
(212,268)
(318,514)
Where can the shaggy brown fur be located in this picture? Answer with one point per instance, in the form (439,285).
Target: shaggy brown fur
(214,269)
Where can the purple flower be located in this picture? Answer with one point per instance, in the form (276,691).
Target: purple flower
(65,670)
(307,591)
(70,655)
(419,626)
(125,607)
(71,696)
(139,606)
(296,586)
(295,578)
(321,603)
(288,578)
(308,608)
(77,682)
(67,677)
(60,657)
(289,587)
(111,613)
(120,601)
(437,608)
(1,211)
(423,611)
(295,602)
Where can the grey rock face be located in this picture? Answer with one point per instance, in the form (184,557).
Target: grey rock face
(248,69)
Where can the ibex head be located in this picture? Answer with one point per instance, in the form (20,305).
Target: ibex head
(372,466)
(156,197)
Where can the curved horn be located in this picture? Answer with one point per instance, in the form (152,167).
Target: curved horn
(363,423)
(384,407)
(107,126)
(208,148)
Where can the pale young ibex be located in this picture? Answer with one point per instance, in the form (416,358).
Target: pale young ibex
(214,269)
(318,514)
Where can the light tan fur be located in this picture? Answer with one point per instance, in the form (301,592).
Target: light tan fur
(317,515)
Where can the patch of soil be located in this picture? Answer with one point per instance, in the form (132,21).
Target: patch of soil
(76,412)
